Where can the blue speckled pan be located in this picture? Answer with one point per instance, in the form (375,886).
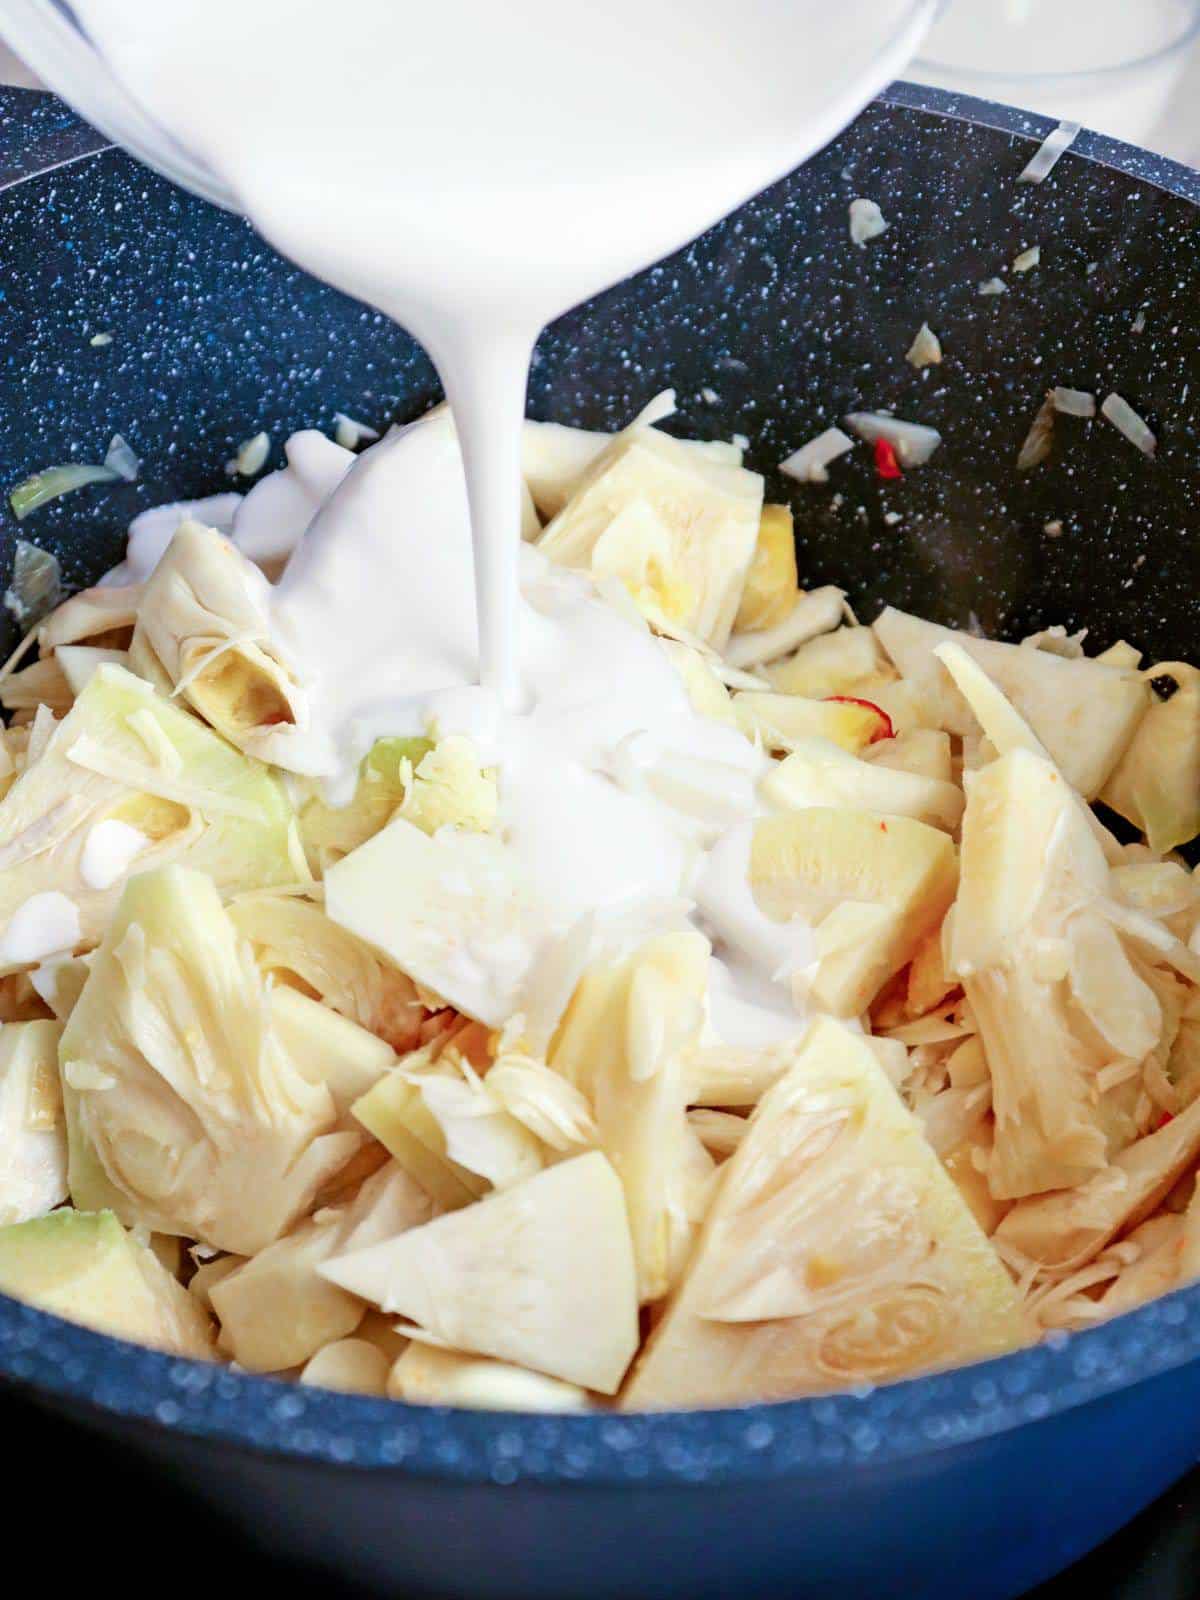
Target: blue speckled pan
(977,1483)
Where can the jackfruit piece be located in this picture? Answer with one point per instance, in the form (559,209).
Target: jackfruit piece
(395,1113)
(782,722)
(541,1275)
(872,887)
(276,1310)
(1065,1230)
(33,1139)
(1083,711)
(449,789)
(837,1251)
(1053,991)
(924,752)
(348,1366)
(708,694)
(80,661)
(429,1376)
(554,458)
(204,618)
(1156,783)
(327,1048)
(681,526)
(85,1267)
(124,754)
(104,615)
(184,1111)
(832,663)
(771,588)
(821,773)
(330,832)
(623,1044)
(42,684)
(297,944)
(816,612)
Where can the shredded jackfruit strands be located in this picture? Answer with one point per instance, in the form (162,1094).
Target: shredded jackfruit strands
(900,1068)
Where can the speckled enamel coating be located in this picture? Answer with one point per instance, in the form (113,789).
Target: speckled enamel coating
(977,1482)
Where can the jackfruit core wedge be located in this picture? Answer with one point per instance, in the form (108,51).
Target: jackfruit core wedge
(836,1251)
(126,754)
(185,1113)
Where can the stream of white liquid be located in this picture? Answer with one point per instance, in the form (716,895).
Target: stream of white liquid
(474,170)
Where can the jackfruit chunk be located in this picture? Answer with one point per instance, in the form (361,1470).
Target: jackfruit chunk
(348,1366)
(871,886)
(84,1267)
(678,528)
(276,1311)
(184,1111)
(836,1251)
(326,1048)
(426,1375)
(832,663)
(330,832)
(771,588)
(124,754)
(783,721)
(1083,711)
(623,1043)
(1156,784)
(554,458)
(821,773)
(296,943)
(1063,1231)
(1054,993)
(396,1114)
(204,619)
(33,1140)
(541,1275)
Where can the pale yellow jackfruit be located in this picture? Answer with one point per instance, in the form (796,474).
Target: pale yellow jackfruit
(771,587)
(678,528)
(872,886)
(624,1043)
(33,1138)
(85,1267)
(554,458)
(428,1375)
(349,1366)
(125,754)
(330,832)
(1156,784)
(782,721)
(540,1275)
(924,752)
(836,1251)
(833,663)
(184,1111)
(821,773)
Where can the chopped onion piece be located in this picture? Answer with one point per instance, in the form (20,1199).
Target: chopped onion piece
(808,464)
(54,481)
(1074,402)
(1027,259)
(1126,420)
(991,286)
(99,340)
(926,348)
(350,433)
(913,442)
(251,457)
(1138,324)
(867,222)
(36,584)
(1039,439)
(121,459)
(1046,156)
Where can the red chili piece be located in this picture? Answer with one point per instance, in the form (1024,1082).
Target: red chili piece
(886,464)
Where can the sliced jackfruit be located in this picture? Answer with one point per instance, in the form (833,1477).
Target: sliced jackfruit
(771,588)
(872,886)
(1083,711)
(85,1267)
(33,1139)
(709,696)
(541,1275)
(780,722)
(1156,783)
(204,618)
(555,458)
(623,1043)
(184,1112)
(837,1251)
(330,832)
(924,752)
(821,773)
(327,1048)
(832,663)
(427,1375)
(691,535)
(125,754)
(276,1311)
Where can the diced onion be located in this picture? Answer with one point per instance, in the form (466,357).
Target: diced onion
(808,464)
(1027,259)
(99,340)
(926,348)
(1074,402)
(45,486)
(991,286)
(867,222)
(913,442)
(121,459)
(1039,439)
(1126,420)
(36,586)
(251,457)
(1046,156)
(1138,324)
